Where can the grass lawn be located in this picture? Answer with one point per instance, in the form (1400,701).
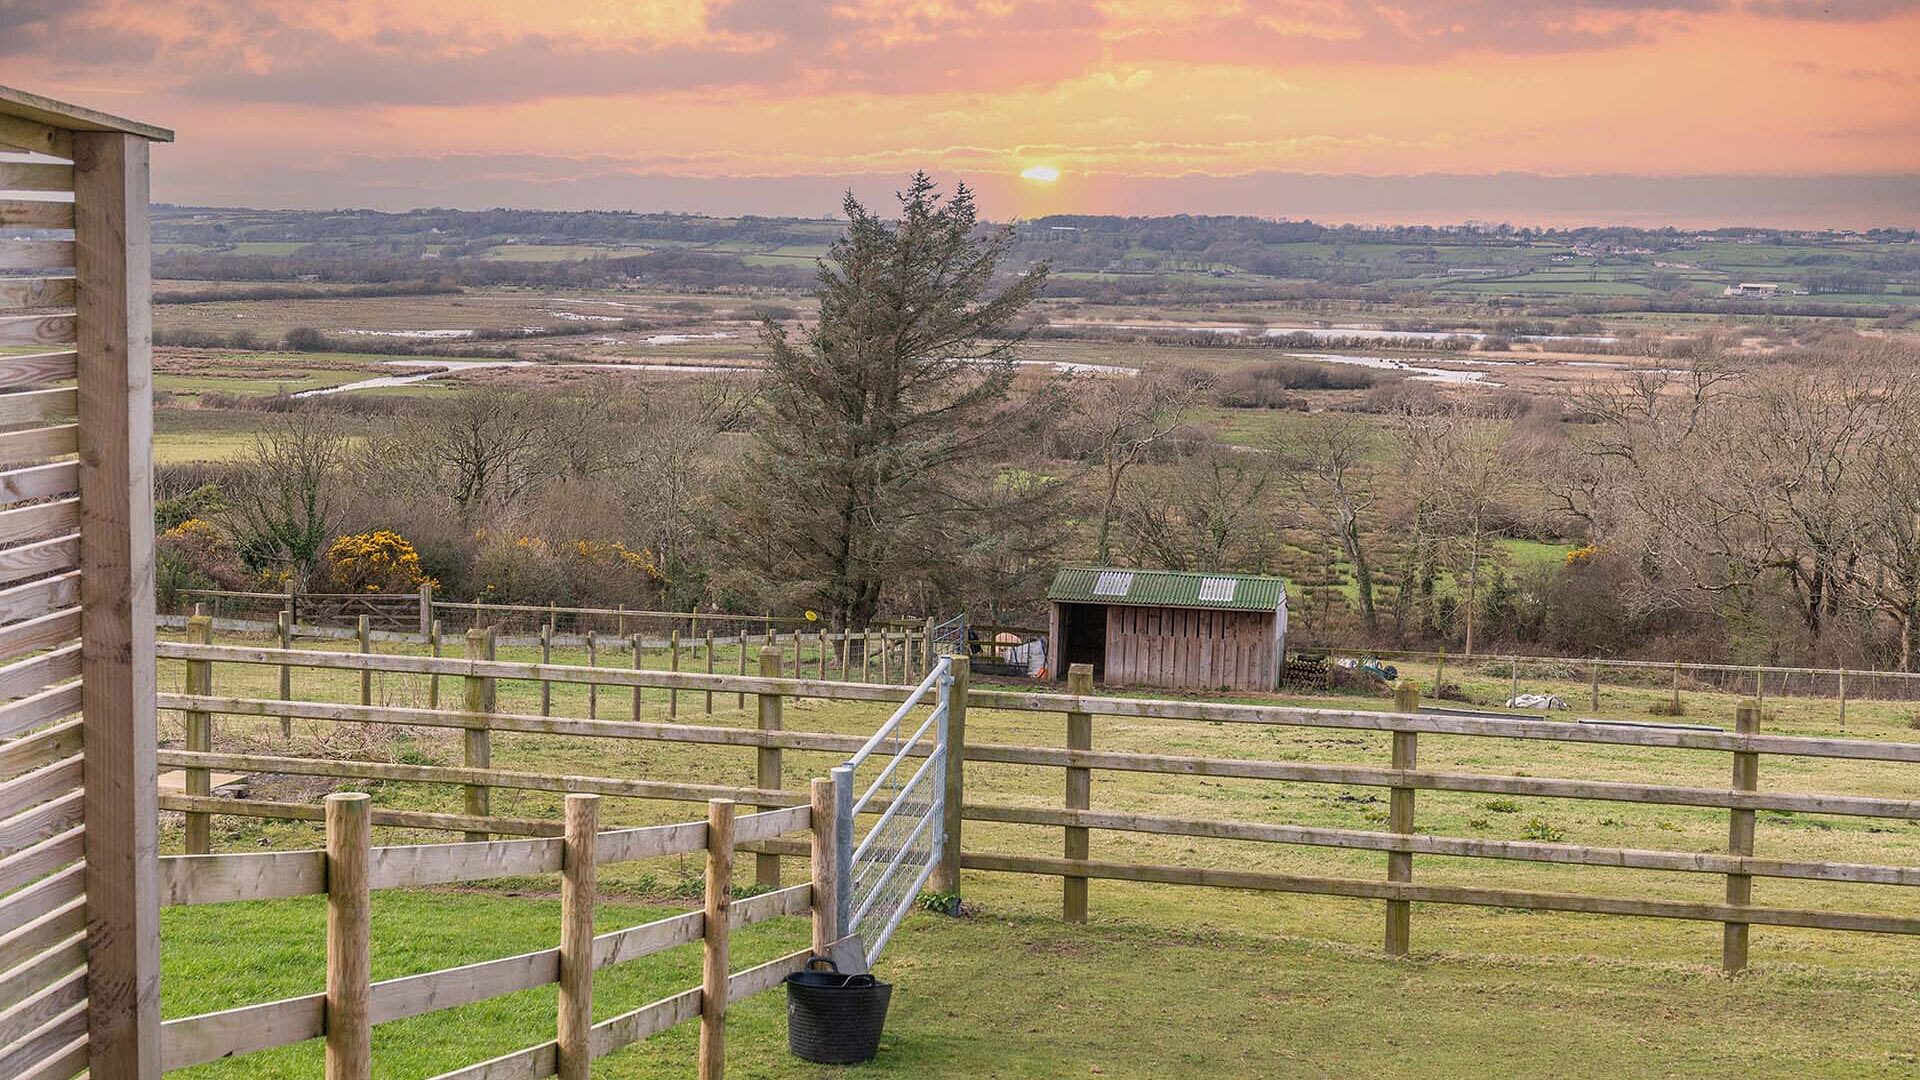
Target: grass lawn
(1261,984)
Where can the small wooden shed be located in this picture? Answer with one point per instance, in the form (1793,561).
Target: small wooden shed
(1168,628)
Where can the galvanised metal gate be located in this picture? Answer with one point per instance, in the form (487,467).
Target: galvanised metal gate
(882,870)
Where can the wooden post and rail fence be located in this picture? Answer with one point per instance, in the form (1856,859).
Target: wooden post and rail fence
(1080,762)
(349,869)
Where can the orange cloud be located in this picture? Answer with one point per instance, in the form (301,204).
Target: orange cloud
(265,94)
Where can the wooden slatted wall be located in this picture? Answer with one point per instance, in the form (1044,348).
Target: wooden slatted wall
(43,933)
(1180,647)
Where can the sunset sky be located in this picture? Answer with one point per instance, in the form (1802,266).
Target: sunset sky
(1641,111)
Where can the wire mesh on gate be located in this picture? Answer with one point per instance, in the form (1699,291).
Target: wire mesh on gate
(881,871)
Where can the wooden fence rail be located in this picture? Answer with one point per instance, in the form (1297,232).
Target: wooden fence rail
(350,869)
(1400,775)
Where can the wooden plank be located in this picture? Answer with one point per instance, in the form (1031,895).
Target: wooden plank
(23,677)
(37,329)
(20,133)
(651,841)
(771,823)
(1469,847)
(50,893)
(40,521)
(414,995)
(759,979)
(41,708)
(49,1039)
(47,631)
(196,1040)
(40,748)
(43,858)
(66,990)
(254,875)
(35,214)
(34,599)
(402,819)
(35,292)
(1441,894)
(65,116)
(792,900)
(29,827)
(533,1063)
(34,369)
(36,254)
(634,942)
(38,444)
(1364,776)
(28,405)
(32,789)
(43,933)
(448,774)
(35,176)
(444,864)
(43,970)
(63,1064)
(40,557)
(631,1027)
(39,482)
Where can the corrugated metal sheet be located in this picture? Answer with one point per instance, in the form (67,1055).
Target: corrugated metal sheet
(1168,588)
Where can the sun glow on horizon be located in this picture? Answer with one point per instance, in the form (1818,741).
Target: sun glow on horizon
(1044,174)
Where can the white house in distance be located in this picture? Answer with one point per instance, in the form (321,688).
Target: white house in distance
(1753,290)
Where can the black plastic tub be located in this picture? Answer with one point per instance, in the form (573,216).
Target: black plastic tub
(835,1019)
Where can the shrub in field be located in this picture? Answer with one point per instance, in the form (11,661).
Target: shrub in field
(373,562)
(195,554)
(1539,829)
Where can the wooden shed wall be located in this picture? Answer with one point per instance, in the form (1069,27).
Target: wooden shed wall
(1150,646)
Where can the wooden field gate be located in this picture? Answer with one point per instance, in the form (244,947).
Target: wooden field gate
(79,915)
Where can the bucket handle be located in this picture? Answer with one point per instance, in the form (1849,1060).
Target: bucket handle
(847,980)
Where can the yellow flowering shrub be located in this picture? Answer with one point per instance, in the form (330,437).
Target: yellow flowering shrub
(1580,556)
(378,561)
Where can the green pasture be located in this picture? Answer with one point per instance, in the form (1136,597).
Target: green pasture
(1262,984)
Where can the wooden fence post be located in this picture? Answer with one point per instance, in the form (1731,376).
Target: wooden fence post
(866,655)
(365,633)
(946,877)
(796,654)
(349,1023)
(1406,699)
(826,862)
(286,672)
(293,601)
(426,608)
(199,736)
(1439,673)
(593,688)
(709,644)
(1746,777)
(433,681)
(578,886)
(546,657)
(620,622)
(823,656)
(1596,684)
(1513,667)
(1079,791)
(926,649)
(673,664)
(740,700)
(1676,688)
(479,740)
(1843,697)
(766,868)
(713,969)
(640,663)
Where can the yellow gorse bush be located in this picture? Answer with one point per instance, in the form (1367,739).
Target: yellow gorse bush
(377,561)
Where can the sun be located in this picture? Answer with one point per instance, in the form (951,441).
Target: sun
(1044,174)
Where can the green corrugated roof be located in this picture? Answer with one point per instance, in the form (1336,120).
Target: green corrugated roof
(1168,588)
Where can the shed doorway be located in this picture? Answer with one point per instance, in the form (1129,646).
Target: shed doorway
(1084,638)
